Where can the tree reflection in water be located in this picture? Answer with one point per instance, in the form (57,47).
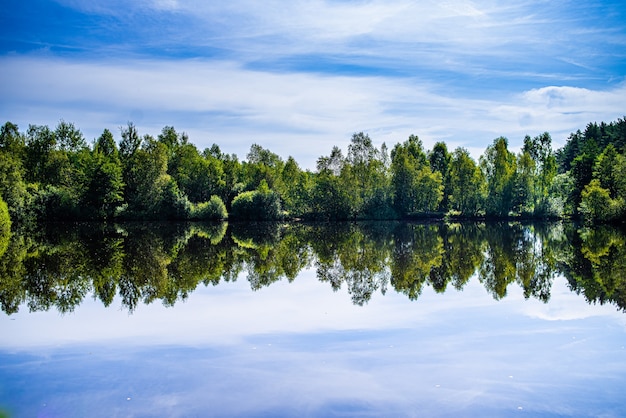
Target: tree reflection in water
(140,263)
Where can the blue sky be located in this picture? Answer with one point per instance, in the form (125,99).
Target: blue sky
(299,77)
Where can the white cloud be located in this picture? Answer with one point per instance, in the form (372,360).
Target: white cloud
(297,114)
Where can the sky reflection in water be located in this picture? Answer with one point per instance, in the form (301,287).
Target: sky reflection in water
(299,349)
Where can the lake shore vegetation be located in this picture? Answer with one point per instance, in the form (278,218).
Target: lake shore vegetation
(56,175)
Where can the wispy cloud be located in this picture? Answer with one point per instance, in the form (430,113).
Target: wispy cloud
(299,77)
(297,114)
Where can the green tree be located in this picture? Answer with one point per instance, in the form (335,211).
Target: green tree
(130,143)
(606,169)
(331,200)
(105,145)
(262,164)
(258,205)
(232,169)
(539,149)
(198,176)
(13,189)
(144,163)
(582,170)
(499,165)
(365,179)
(105,187)
(40,142)
(296,189)
(69,138)
(560,195)
(596,202)
(174,204)
(467,183)
(524,188)
(416,189)
(5,219)
(172,140)
(12,141)
(440,161)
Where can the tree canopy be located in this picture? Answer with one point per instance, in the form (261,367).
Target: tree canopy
(54,174)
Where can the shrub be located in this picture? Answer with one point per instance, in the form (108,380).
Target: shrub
(174,204)
(596,203)
(258,205)
(213,210)
(56,204)
(5,220)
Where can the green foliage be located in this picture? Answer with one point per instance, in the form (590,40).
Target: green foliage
(609,170)
(198,176)
(174,205)
(262,204)
(331,201)
(13,188)
(559,202)
(524,188)
(104,188)
(54,203)
(172,140)
(539,149)
(440,161)
(296,187)
(364,177)
(213,210)
(596,203)
(130,143)
(416,188)
(53,174)
(599,136)
(69,138)
(12,141)
(582,172)
(262,165)
(146,179)
(467,184)
(105,145)
(499,167)
(5,219)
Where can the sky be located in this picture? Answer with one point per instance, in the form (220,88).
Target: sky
(302,76)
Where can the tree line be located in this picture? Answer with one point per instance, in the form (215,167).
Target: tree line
(55,174)
(60,265)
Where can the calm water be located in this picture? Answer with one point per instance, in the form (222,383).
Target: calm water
(381,319)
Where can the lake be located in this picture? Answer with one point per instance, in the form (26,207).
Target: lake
(348,319)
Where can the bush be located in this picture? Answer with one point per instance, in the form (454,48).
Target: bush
(5,226)
(596,203)
(257,205)
(213,210)
(56,204)
(174,205)
(379,207)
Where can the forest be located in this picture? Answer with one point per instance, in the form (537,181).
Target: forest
(56,175)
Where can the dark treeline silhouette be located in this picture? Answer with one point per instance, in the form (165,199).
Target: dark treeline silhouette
(136,263)
(54,174)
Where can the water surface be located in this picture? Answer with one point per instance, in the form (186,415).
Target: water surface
(382,319)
